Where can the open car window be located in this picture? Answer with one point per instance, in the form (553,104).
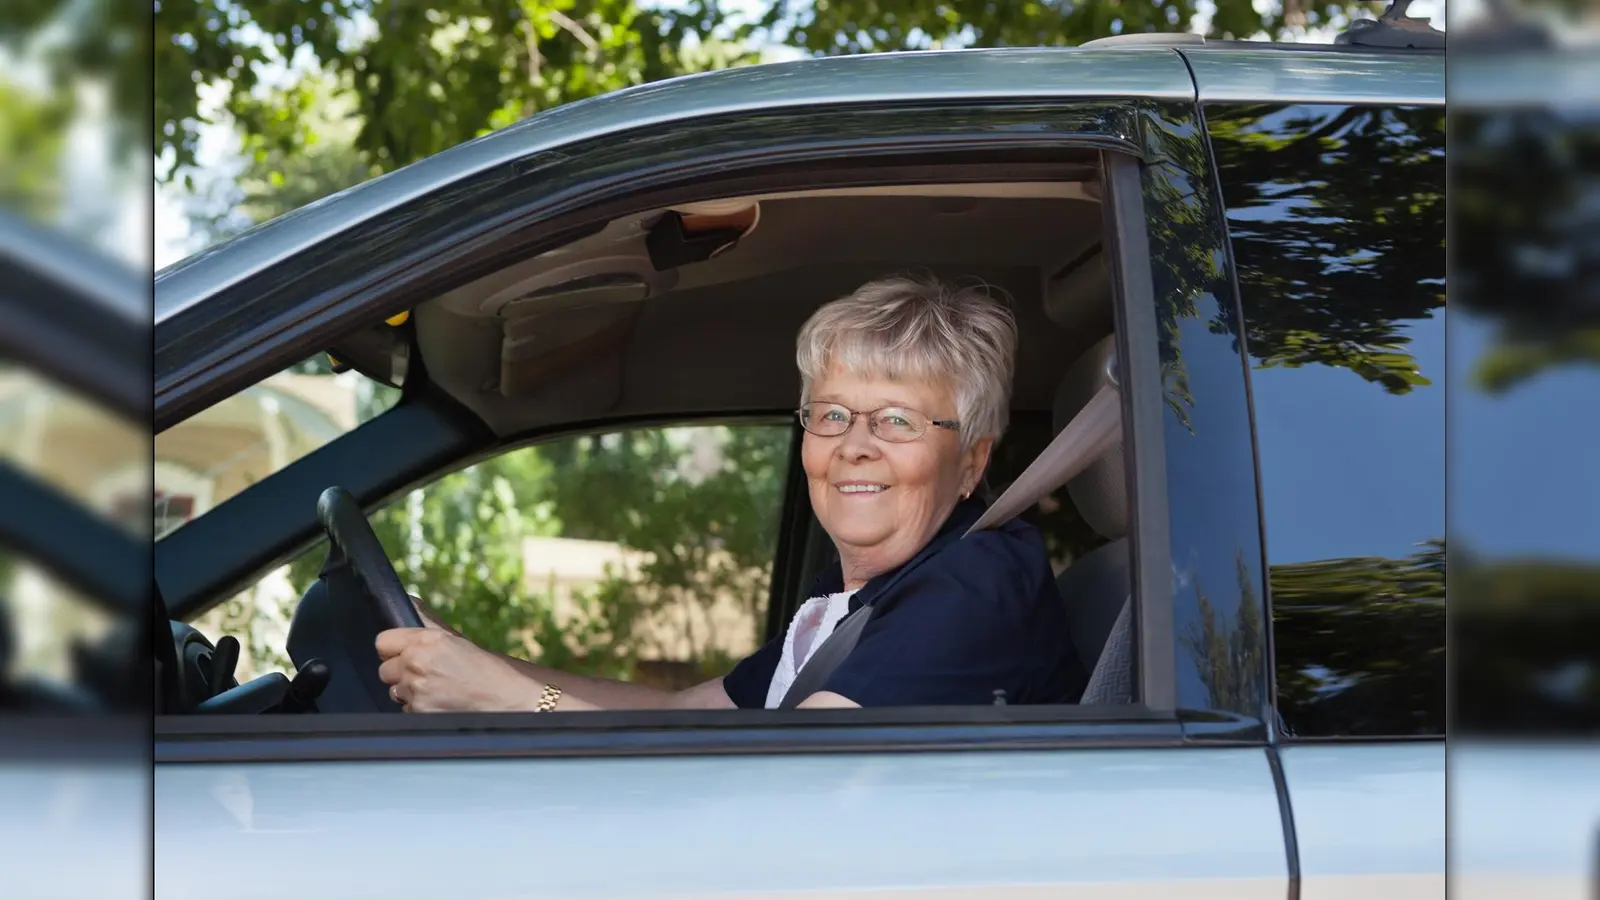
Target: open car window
(75,446)
(644,554)
(203,461)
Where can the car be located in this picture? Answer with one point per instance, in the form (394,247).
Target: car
(74,579)
(1244,243)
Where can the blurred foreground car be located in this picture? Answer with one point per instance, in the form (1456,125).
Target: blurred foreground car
(1244,241)
(74,582)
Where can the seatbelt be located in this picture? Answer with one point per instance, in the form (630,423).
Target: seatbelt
(838,644)
(1090,435)
(835,647)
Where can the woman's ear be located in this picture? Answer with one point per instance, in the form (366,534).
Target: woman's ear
(973,463)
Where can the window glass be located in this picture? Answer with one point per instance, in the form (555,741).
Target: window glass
(1336,215)
(206,459)
(42,621)
(644,555)
(71,444)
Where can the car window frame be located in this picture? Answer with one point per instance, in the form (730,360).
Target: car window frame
(270,321)
(197,738)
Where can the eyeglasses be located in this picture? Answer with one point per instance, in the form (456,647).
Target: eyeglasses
(895,424)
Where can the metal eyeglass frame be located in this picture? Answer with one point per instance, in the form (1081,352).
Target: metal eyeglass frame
(872,421)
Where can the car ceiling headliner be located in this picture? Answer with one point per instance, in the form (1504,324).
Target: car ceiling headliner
(721,341)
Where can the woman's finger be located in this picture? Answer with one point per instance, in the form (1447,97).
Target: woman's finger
(392,670)
(394,642)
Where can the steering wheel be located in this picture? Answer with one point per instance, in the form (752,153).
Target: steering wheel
(356,596)
(351,535)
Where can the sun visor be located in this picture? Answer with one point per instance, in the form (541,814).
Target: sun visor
(1079,296)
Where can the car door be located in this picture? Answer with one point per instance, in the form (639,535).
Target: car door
(1335,205)
(74,345)
(1524,789)
(1176,795)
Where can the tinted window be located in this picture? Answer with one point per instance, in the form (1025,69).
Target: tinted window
(1336,215)
(1525,367)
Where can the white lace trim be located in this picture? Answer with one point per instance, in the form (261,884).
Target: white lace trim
(809,628)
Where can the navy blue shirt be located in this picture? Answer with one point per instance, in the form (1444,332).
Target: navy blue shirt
(964,618)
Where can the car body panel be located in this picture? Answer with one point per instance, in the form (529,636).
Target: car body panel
(1562,79)
(75,827)
(1369,818)
(898,78)
(1280,75)
(1171,823)
(1523,820)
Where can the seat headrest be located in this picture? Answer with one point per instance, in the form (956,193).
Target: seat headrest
(1101,491)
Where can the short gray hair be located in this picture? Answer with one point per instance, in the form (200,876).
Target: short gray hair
(911,328)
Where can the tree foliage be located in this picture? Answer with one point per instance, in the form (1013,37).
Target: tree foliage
(96,41)
(429,75)
(1524,192)
(1337,218)
(1230,658)
(32,140)
(861,26)
(699,506)
(422,77)
(1360,644)
(1522,645)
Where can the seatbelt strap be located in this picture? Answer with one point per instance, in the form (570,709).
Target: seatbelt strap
(814,674)
(1090,435)
(837,645)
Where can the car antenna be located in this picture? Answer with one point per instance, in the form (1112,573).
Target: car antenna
(1394,29)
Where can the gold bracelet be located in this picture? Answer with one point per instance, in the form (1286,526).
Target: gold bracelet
(548,698)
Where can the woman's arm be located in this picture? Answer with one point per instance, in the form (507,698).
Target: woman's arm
(423,668)
(584,692)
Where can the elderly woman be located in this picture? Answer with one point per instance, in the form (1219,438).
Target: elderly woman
(905,387)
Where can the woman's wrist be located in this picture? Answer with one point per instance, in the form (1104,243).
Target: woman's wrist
(549,698)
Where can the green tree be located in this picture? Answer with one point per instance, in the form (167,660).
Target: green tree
(1522,645)
(32,138)
(1331,270)
(1523,182)
(90,41)
(861,26)
(1360,643)
(428,76)
(1230,659)
(707,530)
(423,77)
(704,523)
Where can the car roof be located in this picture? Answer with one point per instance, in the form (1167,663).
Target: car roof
(1227,71)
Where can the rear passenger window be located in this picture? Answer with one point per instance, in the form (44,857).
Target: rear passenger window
(1336,215)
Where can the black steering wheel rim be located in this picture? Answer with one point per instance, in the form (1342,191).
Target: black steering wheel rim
(351,536)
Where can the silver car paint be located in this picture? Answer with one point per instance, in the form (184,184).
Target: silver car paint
(75,829)
(1146,823)
(873,78)
(1239,75)
(1524,821)
(1369,818)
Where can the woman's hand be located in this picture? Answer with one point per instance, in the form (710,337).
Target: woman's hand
(429,618)
(434,670)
